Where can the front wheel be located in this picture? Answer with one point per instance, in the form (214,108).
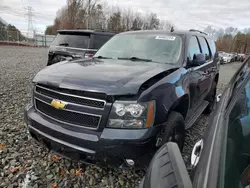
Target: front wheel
(174,130)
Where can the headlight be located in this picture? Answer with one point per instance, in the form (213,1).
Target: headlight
(130,115)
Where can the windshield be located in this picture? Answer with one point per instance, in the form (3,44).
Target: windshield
(71,40)
(160,49)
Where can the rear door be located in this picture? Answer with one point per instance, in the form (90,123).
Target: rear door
(203,74)
(198,75)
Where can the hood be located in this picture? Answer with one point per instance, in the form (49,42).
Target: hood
(113,77)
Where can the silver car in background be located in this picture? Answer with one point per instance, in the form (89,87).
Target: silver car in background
(226,58)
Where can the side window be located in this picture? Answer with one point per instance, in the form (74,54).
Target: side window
(212,46)
(204,47)
(193,48)
(237,160)
(99,40)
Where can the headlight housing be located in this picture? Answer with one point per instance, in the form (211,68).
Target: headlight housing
(132,115)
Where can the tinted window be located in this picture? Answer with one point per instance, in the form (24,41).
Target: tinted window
(72,40)
(237,164)
(194,47)
(99,40)
(160,49)
(204,46)
(212,46)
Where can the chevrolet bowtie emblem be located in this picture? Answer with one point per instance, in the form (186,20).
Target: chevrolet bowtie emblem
(58,104)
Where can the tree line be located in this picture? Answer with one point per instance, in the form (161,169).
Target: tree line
(10,33)
(80,14)
(101,16)
(230,39)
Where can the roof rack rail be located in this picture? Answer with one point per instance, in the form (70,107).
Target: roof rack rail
(195,30)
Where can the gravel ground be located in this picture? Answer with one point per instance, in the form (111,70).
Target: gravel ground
(23,163)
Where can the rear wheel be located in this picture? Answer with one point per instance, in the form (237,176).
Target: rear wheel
(174,130)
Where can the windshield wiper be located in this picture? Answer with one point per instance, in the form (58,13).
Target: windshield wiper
(64,44)
(134,59)
(103,57)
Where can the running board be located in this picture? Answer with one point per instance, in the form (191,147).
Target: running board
(197,114)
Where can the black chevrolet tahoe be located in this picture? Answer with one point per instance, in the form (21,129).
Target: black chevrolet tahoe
(74,44)
(139,91)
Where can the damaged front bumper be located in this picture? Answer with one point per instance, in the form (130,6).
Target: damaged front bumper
(111,147)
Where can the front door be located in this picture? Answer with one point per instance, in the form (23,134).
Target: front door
(200,76)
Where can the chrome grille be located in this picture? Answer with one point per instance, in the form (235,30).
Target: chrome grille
(68,116)
(80,111)
(96,103)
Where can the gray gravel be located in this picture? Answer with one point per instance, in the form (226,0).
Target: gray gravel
(23,163)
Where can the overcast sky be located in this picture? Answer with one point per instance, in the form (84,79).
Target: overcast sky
(185,14)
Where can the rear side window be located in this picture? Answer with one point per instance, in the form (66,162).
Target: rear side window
(99,40)
(212,46)
(204,47)
(72,40)
(193,48)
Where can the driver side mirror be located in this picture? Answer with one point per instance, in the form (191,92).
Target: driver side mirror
(167,169)
(198,59)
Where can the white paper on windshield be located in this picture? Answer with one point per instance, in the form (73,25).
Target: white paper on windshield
(165,38)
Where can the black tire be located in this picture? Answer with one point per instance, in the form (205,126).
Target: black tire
(174,130)
(211,99)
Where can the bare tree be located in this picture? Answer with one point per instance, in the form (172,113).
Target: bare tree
(114,22)
(75,15)
(151,22)
(74,11)
(128,18)
(166,25)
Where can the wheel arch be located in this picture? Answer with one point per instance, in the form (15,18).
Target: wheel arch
(181,106)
